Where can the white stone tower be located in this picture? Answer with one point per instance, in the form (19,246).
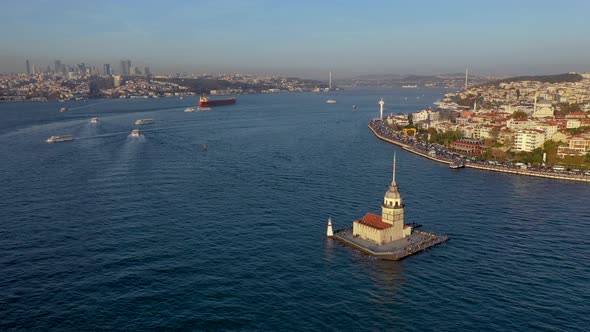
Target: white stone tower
(329,232)
(392,209)
(381,103)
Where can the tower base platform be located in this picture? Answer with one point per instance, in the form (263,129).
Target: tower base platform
(417,242)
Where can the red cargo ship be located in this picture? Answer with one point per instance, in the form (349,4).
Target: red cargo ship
(206,102)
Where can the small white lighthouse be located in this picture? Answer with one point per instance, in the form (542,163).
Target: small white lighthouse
(381,103)
(329,232)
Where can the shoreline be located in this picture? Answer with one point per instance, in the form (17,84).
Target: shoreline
(577,178)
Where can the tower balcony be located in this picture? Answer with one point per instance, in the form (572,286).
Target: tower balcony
(389,206)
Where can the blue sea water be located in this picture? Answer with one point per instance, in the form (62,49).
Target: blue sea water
(110,232)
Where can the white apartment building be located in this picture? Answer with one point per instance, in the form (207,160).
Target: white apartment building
(573,123)
(549,129)
(482,132)
(529,139)
(424,115)
(516,124)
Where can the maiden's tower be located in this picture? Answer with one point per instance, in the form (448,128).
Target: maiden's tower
(386,236)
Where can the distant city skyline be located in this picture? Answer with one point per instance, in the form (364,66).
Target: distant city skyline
(303,39)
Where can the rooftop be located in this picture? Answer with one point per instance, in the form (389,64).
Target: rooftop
(374,221)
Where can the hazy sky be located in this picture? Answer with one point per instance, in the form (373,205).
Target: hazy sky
(301,38)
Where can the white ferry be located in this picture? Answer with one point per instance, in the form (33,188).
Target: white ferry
(94,120)
(331,101)
(63,109)
(135,133)
(60,138)
(145,122)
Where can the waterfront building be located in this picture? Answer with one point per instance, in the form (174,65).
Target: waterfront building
(468,146)
(528,139)
(389,226)
(505,136)
(482,131)
(578,145)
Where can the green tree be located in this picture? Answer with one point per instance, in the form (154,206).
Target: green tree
(550,148)
(519,115)
(566,108)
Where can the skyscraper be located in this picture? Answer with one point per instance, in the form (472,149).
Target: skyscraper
(28,67)
(82,68)
(146,71)
(107,69)
(125,67)
(57,66)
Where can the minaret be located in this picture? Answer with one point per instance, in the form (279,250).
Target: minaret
(329,232)
(381,103)
(535,107)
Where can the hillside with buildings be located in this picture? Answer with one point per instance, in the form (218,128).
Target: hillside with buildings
(533,122)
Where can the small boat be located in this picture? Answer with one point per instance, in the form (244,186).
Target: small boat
(61,138)
(456,165)
(190,109)
(145,122)
(201,108)
(135,133)
(94,120)
(331,101)
(353,107)
(63,109)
